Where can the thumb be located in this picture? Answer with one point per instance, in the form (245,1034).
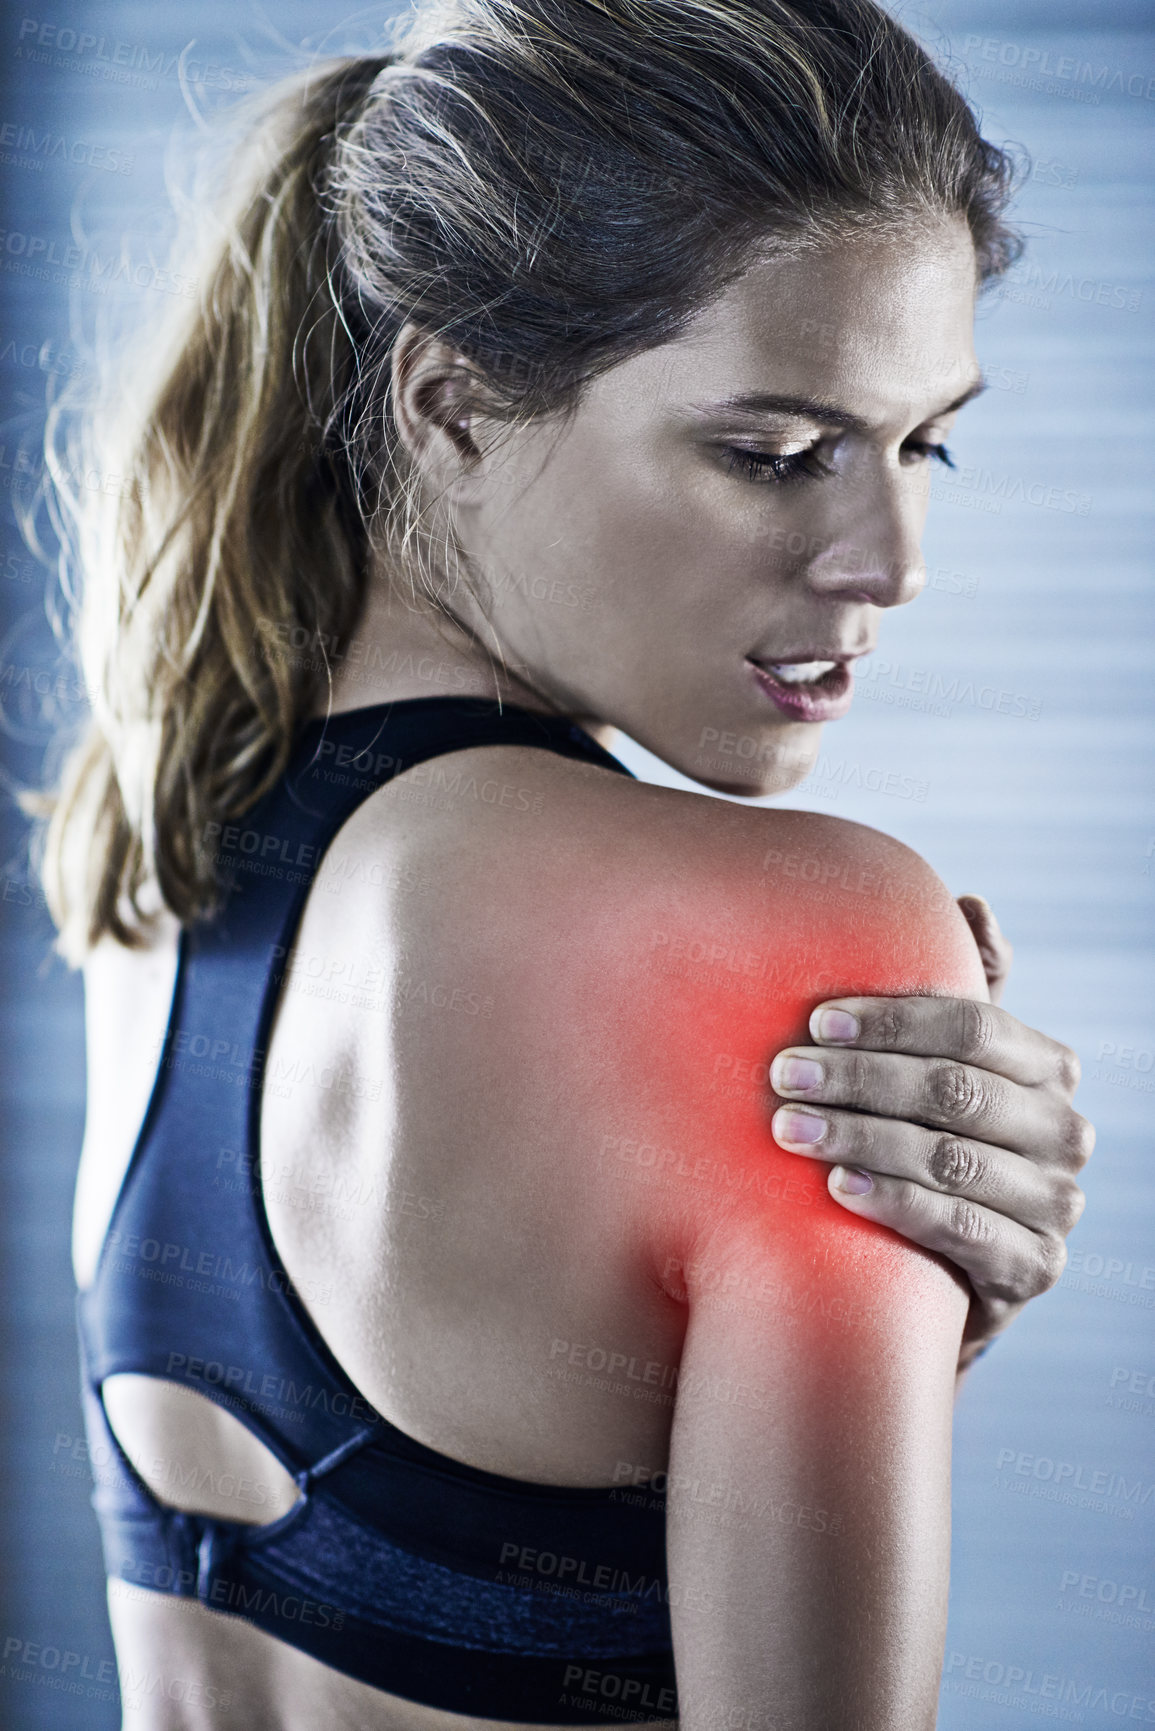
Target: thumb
(994,950)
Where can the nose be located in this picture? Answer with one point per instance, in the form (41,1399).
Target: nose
(874,553)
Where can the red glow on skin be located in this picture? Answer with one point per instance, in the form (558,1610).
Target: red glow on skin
(726,1000)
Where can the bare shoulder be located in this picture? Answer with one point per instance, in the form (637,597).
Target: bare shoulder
(533,850)
(634,956)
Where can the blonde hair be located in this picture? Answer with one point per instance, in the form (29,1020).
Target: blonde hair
(551,186)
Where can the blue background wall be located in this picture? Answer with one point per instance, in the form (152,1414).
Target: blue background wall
(1013,704)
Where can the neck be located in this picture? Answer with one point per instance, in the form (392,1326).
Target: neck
(399,650)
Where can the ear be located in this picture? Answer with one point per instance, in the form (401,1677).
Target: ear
(436,405)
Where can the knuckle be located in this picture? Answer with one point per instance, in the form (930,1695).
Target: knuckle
(907,1200)
(956,1092)
(1068,1069)
(976,1032)
(1069,1205)
(855,1133)
(1077,1140)
(970,1226)
(888,1026)
(1052,1260)
(855,1074)
(954,1164)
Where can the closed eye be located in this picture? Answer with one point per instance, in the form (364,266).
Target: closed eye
(783,467)
(790,467)
(922,450)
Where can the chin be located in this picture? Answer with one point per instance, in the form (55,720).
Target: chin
(752,765)
(776,769)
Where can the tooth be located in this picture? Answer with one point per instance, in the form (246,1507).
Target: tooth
(800,672)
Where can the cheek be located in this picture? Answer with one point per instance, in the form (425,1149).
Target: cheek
(693,546)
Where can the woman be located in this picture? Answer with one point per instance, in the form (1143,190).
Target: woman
(464,1343)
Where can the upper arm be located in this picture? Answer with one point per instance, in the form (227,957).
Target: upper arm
(809,1508)
(808,1523)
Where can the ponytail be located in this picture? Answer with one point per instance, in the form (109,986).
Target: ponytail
(236,528)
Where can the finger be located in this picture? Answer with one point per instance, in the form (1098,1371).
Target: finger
(940,1094)
(1037,1197)
(960,1028)
(1003,1260)
(995,952)
(981,918)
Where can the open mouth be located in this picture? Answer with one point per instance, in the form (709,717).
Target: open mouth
(806,690)
(800,672)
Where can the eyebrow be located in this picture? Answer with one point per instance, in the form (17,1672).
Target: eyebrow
(815,409)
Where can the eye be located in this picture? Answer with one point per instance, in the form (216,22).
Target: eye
(777,466)
(920,449)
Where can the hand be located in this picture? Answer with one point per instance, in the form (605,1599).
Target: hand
(955,1122)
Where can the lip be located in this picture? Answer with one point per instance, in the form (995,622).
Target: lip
(827,699)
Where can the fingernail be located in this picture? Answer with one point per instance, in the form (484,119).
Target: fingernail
(851,1180)
(836,1025)
(799,1129)
(795,1075)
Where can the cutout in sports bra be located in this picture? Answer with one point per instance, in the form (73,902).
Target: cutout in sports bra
(397,1565)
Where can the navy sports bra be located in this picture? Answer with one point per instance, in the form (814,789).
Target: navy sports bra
(399,1566)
